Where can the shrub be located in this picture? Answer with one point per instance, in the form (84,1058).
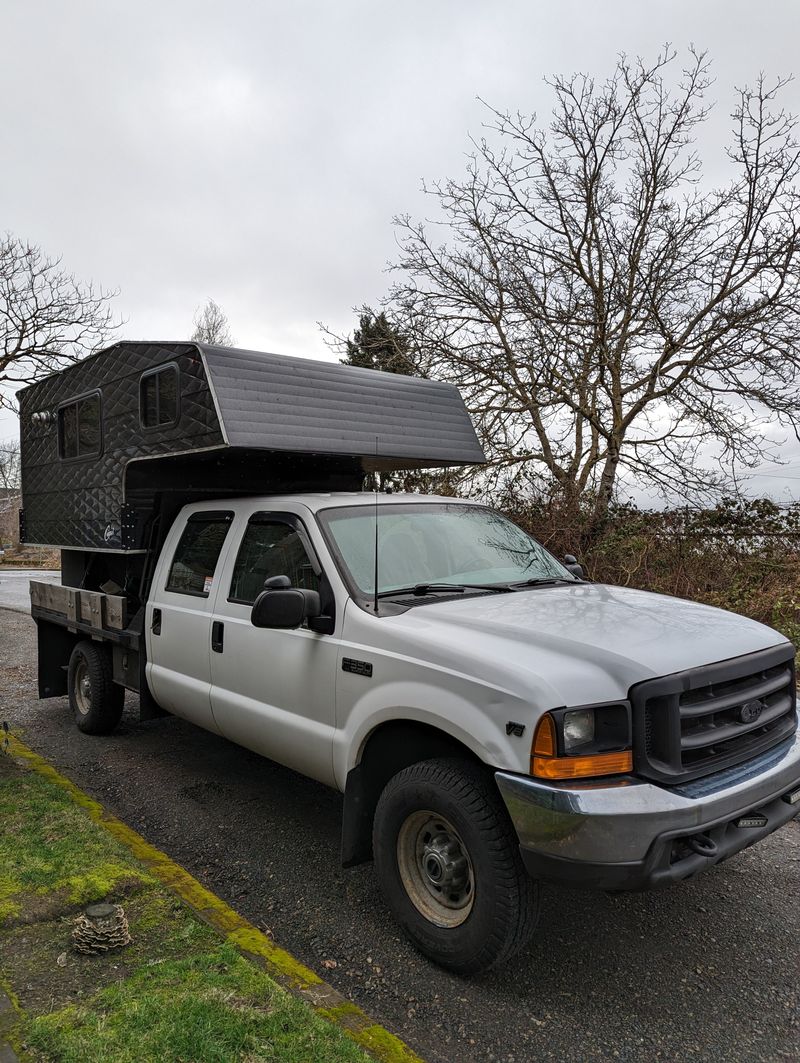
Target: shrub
(742,555)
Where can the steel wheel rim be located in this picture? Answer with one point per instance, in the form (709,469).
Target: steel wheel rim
(83,688)
(436,869)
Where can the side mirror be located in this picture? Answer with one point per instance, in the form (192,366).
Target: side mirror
(282,606)
(571,565)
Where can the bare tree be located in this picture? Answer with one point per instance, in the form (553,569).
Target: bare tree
(47,317)
(10,491)
(211,325)
(602,310)
(10,467)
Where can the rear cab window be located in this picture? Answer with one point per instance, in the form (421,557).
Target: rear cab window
(197,553)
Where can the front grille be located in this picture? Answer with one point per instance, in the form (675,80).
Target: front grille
(692,723)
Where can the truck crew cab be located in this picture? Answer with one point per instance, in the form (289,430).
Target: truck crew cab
(492,718)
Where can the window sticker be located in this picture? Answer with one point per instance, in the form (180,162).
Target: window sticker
(207,584)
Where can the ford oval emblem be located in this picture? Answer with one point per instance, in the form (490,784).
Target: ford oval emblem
(750,711)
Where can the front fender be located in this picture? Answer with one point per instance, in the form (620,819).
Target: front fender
(475,718)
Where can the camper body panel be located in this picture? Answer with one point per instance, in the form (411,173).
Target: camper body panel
(79,502)
(107,440)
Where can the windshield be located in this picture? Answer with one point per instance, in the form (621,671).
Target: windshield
(435,543)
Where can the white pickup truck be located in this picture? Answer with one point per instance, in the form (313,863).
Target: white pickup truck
(492,718)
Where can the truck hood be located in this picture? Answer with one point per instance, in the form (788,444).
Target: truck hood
(584,641)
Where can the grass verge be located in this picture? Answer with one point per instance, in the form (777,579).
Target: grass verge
(214,1005)
(51,854)
(176,994)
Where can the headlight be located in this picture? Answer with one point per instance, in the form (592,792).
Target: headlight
(578,728)
(579,743)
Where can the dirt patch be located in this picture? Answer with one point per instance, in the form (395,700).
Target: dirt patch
(36,908)
(39,961)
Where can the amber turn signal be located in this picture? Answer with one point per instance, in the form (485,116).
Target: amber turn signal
(582,767)
(545,763)
(544,738)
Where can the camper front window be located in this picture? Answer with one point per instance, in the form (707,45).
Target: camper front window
(158,397)
(79,428)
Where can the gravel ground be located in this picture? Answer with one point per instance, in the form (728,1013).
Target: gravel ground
(708,970)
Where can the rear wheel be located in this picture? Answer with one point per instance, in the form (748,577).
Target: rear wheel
(448,862)
(95,699)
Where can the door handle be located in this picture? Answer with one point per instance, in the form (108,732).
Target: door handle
(217,636)
(155,623)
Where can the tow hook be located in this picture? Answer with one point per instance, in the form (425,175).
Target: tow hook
(702,845)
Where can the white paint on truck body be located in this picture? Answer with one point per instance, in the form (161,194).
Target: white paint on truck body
(465,666)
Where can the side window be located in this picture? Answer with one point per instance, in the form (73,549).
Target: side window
(80,433)
(270,548)
(192,569)
(158,397)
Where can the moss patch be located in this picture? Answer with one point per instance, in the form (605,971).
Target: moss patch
(50,849)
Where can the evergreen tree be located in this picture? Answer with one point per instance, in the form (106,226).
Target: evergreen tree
(379,344)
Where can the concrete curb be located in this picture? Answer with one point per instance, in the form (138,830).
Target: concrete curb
(248,939)
(7,1017)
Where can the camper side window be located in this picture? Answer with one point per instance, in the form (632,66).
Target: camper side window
(192,570)
(158,397)
(80,428)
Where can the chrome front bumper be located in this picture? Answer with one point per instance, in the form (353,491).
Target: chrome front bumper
(630,834)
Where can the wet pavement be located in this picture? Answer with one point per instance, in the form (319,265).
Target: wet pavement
(14,583)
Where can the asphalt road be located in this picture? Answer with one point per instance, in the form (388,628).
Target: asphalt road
(14,593)
(708,970)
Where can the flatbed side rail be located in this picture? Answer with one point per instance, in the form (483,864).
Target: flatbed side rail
(93,608)
(128,639)
(65,615)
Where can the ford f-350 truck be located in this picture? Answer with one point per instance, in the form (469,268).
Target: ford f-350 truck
(492,718)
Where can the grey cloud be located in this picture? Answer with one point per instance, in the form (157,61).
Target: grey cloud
(256,151)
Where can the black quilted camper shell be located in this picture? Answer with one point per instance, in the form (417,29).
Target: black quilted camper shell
(107,440)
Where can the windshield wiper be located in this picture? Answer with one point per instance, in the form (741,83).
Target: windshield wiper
(425,588)
(420,589)
(542,581)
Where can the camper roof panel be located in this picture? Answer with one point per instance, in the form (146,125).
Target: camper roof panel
(275,402)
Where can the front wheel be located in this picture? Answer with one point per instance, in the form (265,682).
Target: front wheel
(448,863)
(95,699)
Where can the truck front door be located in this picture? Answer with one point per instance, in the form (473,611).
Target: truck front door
(273,691)
(178,615)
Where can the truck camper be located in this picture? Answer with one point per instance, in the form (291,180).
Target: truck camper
(493,718)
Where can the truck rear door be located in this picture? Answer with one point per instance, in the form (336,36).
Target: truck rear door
(179,615)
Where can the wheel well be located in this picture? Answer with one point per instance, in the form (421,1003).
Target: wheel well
(388,749)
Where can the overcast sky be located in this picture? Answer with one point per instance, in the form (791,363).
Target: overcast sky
(255,152)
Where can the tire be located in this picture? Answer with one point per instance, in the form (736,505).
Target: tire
(95,699)
(448,863)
